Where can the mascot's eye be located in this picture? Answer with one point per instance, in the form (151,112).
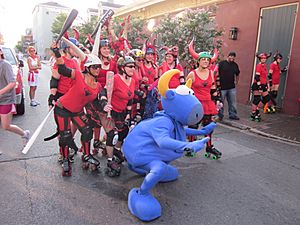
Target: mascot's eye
(184,90)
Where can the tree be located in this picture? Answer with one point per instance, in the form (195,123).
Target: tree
(179,31)
(136,33)
(58,23)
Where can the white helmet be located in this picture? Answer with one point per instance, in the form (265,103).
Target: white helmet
(92,60)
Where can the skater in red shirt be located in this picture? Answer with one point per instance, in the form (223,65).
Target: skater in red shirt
(69,108)
(259,87)
(60,85)
(171,62)
(274,80)
(108,64)
(121,101)
(140,95)
(206,92)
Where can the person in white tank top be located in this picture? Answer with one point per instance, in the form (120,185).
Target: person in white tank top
(34,65)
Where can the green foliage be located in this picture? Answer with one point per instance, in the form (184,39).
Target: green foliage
(179,31)
(136,33)
(19,46)
(58,23)
(87,28)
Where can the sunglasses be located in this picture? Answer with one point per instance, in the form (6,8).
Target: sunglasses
(205,59)
(95,67)
(139,60)
(131,66)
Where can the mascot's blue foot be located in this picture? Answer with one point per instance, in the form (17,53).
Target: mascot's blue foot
(143,206)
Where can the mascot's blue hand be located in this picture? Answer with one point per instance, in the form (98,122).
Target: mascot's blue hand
(208,128)
(196,146)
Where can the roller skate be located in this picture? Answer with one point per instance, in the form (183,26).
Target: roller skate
(113,168)
(66,168)
(88,161)
(97,145)
(72,153)
(272,109)
(257,116)
(267,109)
(189,152)
(119,157)
(211,150)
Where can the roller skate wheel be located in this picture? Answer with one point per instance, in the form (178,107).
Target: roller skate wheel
(214,157)
(207,155)
(66,173)
(85,165)
(94,167)
(95,151)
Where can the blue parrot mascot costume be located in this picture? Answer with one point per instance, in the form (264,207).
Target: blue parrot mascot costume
(154,143)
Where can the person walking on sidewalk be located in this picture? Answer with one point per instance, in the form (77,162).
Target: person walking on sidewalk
(7,99)
(229,77)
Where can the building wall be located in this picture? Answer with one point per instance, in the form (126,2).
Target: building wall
(245,14)
(43,18)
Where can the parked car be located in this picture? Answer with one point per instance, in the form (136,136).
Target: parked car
(17,66)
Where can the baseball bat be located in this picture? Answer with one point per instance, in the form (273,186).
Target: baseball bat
(36,133)
(109,88)
(102,21)
(67,24)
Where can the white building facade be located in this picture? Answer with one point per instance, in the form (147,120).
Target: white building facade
(44,15)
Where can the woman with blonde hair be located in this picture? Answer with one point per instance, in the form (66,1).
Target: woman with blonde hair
(34,65)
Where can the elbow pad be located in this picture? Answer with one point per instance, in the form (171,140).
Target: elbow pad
(63,70)
(257,78)
(53,83)
(270,76)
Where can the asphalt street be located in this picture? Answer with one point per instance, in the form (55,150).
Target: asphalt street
(257,181)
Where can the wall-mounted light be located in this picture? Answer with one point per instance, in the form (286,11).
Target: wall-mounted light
(233,33)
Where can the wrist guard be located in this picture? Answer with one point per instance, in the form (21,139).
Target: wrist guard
(138,93)
(56,52)
(52,98)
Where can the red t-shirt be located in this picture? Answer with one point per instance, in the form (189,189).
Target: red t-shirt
(102,73)
(201,87)
(122,93)
(65,83)
(175,81)
(262,70)
(150,73)
(276,72)
(79,95)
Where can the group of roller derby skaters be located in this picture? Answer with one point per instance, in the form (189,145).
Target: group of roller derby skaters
(265,85)
(104,85)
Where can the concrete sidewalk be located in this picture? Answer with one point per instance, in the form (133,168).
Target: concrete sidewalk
(278,125)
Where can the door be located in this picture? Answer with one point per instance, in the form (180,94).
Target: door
(276,31)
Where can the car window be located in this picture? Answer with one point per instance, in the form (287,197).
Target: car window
(8,55)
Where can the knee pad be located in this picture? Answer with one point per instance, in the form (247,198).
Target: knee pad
(112,138)
(86,134)
(123,133)
(274,94)
(256,99)
(206,120)
(66,138)
(266,99)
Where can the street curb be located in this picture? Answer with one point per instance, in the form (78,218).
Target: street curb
(253,130)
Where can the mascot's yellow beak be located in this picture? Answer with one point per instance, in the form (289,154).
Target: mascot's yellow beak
(163,83)
(189,83)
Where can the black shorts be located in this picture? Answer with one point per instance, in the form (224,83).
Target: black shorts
(264,87)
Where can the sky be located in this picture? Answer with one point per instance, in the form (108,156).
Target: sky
(16,15)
